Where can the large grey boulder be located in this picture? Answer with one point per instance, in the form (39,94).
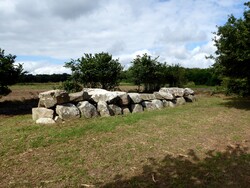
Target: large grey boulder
(123,98)
(45,121)
(168,103)
(79,96)
(114,110)
(180,101)
(147,96)
(163,95)
(188,91)
(51,98)
(98,95)
(103,109)
(67,111)
(158,103)
(149,105)
(136,108)
(190,98)
(135,98)
(87,109)
(175,91)
(42,112)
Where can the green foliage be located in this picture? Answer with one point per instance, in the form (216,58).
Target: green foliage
(148,72)
(206,76)
(96,70)
(9,72)
(233,47)
(176,75)
(236,86)
(44,78)
(70,86)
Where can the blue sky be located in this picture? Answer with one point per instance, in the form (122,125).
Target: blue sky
(45,34)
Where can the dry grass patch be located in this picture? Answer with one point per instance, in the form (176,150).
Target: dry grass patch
(198,144)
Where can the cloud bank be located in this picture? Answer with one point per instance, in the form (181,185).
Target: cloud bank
(176,30)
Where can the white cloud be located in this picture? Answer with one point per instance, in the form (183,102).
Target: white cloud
(65,29)
(41,67)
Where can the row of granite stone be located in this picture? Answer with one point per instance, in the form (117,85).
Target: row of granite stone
(58,105)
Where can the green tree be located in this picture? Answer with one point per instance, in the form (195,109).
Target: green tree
(148,72)
(9,72)
(96,70)
(175,75)
(233,48)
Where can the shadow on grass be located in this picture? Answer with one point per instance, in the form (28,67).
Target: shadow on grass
(17,107)
(239,103)
(230,168)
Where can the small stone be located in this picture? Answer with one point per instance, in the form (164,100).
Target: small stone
(158,103)
(115,110)
(103,109)
(42,113)
(136,108)
(126,111)
(149,105)
(45,121)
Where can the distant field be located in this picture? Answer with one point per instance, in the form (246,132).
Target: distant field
(201,144)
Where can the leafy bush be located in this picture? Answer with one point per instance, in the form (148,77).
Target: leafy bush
(70,86)
(236,86)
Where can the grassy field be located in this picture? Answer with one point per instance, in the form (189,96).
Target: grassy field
(201,144)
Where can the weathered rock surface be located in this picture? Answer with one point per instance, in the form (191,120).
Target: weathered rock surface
(136,108)
(188,91)
(190,98)
(42,112)
(58,119)
(125,111)
(87,109)
(123,98)
(67,111)
(168,103)
(180,101)
(135,98)
(98,95)
(114,110)
(163,95)
(51,98)
(79,96)
(149,105)
(45,121)
(147,96)
(103,109)
(158,103)
(175,91)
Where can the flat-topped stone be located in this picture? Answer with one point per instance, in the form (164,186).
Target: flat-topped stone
(163,95)
(175,91)
(147,96)
(51,98)
(79,96)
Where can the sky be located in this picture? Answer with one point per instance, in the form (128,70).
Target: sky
(44,34)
